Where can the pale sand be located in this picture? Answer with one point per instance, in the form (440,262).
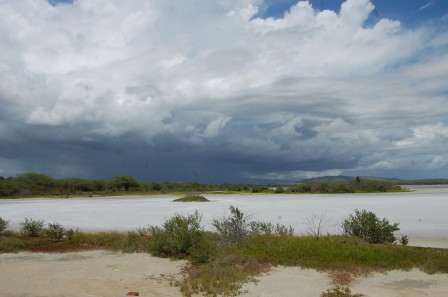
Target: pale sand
(441,242)
(85,274)
(101,273)
(297,282)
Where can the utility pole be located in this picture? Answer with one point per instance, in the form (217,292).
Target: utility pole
(69,182)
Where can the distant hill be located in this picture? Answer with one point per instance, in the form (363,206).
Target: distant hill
(344,178)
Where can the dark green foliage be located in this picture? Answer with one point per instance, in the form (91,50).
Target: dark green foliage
(124,183)
(179,236)
(404,240)
(31,227)
(71,233)
(192,198)
(339,252)
(4,224)
(10,244)
(35,183)
(368,226)
(55,231)
(340,187)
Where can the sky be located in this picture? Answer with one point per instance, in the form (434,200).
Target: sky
(247,91)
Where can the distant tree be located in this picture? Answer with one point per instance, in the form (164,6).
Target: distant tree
(124,182)
(36,183)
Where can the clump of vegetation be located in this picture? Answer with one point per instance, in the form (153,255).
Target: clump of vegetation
(181,236)
(368,226)
(235,227)
(214,279)
(55,231)
(404,240)
(31,227)
(340,281)
(356,185)
(143,231)
(71,233)
(4,224)
(192,198)
(339,291)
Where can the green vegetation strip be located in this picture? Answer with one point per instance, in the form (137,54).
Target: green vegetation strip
(33,184)
(222,262)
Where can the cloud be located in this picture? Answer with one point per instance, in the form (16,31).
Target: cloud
(426,5)
(210,87)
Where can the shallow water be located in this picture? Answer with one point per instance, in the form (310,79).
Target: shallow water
(422,213)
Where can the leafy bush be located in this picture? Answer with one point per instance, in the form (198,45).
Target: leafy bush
(72,233)
(178,236)
(367,225)
(232,228)
(404,240)
(235,227)
(32,228)
(4,224)
(265,228)
(55,231)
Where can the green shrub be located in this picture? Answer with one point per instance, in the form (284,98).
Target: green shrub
(202,251)
(71,233)
(32,228)
(233,228)
(55,231)
(177,236)
(367,225)
(142,231)
(404,240)
(4,224)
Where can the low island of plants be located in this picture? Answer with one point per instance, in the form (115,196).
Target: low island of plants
(192,198)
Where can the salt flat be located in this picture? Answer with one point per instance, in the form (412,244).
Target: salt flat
(421,214)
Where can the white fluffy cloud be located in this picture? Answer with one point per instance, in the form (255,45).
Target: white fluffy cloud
(313,85)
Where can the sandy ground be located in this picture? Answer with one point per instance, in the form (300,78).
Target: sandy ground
(100,273)
(296,282)
(441,242)
(85,274)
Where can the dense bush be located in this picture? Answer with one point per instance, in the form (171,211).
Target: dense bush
(181,236)
(32,228)
(367,225)
(55,231)
(3,225)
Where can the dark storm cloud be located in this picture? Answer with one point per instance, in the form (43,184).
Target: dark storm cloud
(164,92)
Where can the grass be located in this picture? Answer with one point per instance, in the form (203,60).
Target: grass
(232,266)
(115,241)
(341,253)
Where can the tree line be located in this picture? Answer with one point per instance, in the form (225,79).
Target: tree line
(34,184)
(38,184)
